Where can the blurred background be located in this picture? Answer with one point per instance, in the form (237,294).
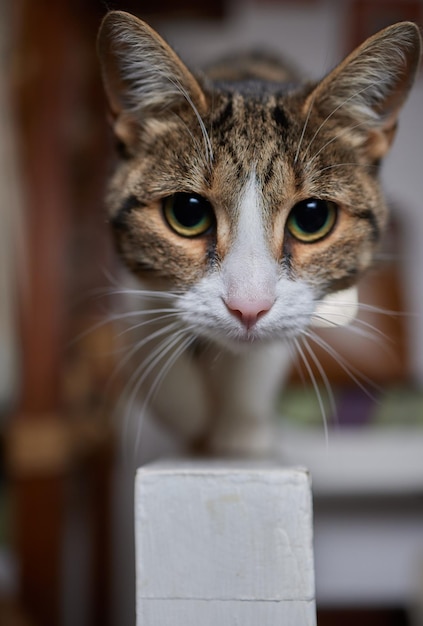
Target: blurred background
(66,478)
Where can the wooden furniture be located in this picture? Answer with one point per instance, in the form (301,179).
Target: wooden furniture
(63,148)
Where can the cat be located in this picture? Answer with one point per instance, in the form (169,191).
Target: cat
(247,205)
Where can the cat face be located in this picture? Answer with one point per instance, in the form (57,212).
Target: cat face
(251,201)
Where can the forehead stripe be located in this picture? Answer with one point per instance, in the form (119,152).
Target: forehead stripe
(224,115)
(280,117)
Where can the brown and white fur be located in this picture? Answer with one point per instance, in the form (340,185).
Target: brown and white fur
(220,310)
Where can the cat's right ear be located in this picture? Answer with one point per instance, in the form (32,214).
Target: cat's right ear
(142,75)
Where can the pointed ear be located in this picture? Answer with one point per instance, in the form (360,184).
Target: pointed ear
(369,87)
(142,75)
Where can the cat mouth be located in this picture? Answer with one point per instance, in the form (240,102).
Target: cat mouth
(233,339)
(243,338)
(249,336)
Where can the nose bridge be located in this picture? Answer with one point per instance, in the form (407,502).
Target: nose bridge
(250,271)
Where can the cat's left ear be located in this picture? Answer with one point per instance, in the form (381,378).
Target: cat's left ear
(143,76)
(367,90)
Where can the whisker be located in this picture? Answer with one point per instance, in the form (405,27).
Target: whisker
(342,132)
(316,388)
(117,317)
(146,367)
(343,103)
(166,330)
(373,333)
(207,144)
(144,293)
(323,375)
(371,308)
(352,163)
(140,313)
(354,325)
(146,322)
(358,377)
(295,361)
(158,380)
(116,288)
(88,331)
(130,354)
(304,130)
(196,143)
(383,342)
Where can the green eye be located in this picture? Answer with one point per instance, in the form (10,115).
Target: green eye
(188,214)
(312,219)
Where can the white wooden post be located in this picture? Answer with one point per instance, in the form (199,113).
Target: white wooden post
(226,544)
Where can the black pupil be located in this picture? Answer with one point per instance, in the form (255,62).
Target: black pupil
(311,215)
(189,210)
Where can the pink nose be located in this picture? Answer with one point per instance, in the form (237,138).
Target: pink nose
(248,311)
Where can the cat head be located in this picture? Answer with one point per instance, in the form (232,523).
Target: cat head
(256,202)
